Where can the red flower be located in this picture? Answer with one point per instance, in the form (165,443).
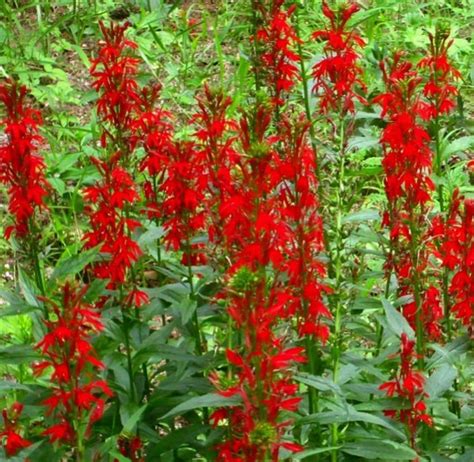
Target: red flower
(119,107)
(131,448)
(67,349)
(337,75)
(456,251)
(304,242)
(216,143)
(10,436)
(439,90)
(408,385)
(60,432)
(255,237)
(21,167)
(114,72)
(275,41)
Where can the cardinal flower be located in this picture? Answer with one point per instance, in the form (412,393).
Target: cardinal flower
(21,167)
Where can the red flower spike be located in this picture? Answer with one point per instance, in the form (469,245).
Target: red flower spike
(276,40)
(119,107)
(305,242)
(407,165)
(21,167)
(408,385)
(10,436)
(215,141)
(455,237)
(114,71)
(75,391)
(439,89)
(255,237)
(338,75)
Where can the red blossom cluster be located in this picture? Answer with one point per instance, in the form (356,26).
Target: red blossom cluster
(76,391)
(408,384)
(276,39)
(337,77)
(305,241)
(10,437)
(216,144)
(110,227)
(21,167)
(439,89)
(258,301)
(407,165)
(112,197)
(114,71)
(131,448)
(154,127)
(456,252)
(183,189)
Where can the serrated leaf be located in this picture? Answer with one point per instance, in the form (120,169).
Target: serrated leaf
(74,264)
(458,439)
(349,414)
(312,452)
(362,216)
(9,385)
(458,145)
(396,321)
(28,289)
(320,383)
(132,421)
(379,450)
(177,438)
(186,308)
(18,354)
(209,400)
(440,381)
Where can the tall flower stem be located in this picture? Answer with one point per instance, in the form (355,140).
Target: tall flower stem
(417,291)
(337,268)
(306,95)
(438,170)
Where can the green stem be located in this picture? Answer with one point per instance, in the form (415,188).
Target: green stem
(255,46)
(417,292)
(338,274)
(197,330)
(442,208)
(306,99)
(129,363)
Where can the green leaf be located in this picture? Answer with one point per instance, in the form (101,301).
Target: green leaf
(25,453)
(440,381)
(121,458)
(312,452)
(9,385)
(132,421)
(362,216)
(396,321)
(74,264)
(458,145)
(18,354)
(320,383)
(16,305)
(209,400)
(28,289)
(177,438)
(458,439)
(379,450)
(186,308)
(350,415)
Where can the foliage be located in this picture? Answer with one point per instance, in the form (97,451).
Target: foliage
(237,230)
